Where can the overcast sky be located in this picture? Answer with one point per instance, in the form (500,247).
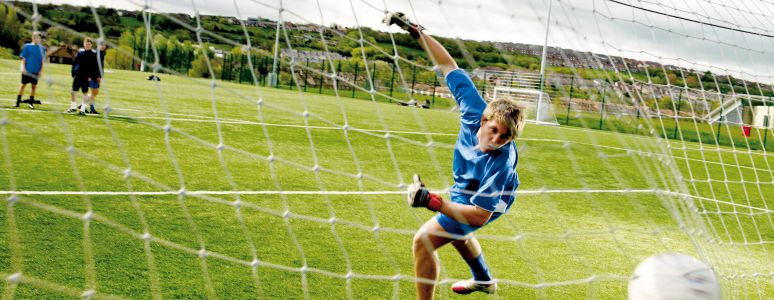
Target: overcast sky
(620,28)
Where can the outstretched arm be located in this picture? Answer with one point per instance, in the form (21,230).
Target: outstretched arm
(434,49)
(437,53)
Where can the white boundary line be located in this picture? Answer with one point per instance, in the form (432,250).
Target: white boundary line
(161,193)
(206,119)
(518,192)
(243,122)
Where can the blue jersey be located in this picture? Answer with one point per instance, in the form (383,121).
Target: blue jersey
(33,57)
(487,180)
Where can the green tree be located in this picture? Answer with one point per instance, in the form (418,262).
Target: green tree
(173,53)
(57,35)
(199,65)
(708,77)
(160,44)
(666,103)
(120,58)
(6,53)
(3,12)
(9,37)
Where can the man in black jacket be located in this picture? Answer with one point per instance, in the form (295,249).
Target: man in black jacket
(84,69)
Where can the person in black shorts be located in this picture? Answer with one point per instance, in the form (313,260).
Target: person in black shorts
(32,57)
(84,69)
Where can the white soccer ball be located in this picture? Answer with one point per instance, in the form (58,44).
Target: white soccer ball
(673,276)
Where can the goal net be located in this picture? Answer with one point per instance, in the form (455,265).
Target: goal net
(262,149)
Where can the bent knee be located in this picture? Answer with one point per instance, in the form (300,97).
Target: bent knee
(421,240)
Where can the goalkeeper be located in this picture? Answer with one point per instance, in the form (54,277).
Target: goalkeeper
(485,178)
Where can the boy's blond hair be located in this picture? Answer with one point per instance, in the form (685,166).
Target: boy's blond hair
(507,112)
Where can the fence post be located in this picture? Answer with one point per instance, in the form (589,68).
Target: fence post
(225,68)
(260,74)
(290,79)
(717,135)
(766,123)
(569,101)
(306,73)
(602,111)
(322,76)
(638,102)
(242,67)
(336,79)
(413,79)
(373,77)
(392,80)
(279,71)
(191,57)
(677,113)
(290,73)
(254,71)
(354,79)
(435,83)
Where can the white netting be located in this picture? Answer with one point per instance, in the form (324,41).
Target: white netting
(272,163)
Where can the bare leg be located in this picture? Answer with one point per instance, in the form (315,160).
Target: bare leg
(94,93)
(21,89)
(468,249)
(426,241)
(84,101)
(34,87)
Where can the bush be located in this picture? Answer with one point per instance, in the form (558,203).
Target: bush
(7,53)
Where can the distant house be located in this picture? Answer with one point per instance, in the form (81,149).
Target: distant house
(64,54)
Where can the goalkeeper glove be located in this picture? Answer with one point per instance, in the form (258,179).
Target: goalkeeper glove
(419,196)
(400,19)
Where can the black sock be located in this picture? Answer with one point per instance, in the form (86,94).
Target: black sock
(32,97)
(18,97)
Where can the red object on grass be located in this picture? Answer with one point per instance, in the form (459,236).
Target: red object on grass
(746,130)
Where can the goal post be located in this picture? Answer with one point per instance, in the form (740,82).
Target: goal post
(538,104)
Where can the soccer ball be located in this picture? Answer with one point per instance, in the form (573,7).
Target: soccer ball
(673,276)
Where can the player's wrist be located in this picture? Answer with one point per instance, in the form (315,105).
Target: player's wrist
(434,202)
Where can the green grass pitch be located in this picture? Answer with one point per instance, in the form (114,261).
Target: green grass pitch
(355,240)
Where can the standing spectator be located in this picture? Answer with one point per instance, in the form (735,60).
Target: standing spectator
(32,56)
(84,69)
(94,83)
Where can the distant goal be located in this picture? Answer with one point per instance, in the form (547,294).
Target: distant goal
(538,104)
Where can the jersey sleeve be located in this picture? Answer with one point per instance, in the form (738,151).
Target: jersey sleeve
(468,99)
(25,52)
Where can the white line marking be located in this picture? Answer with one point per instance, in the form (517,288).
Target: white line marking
(159,193)
(518,192)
